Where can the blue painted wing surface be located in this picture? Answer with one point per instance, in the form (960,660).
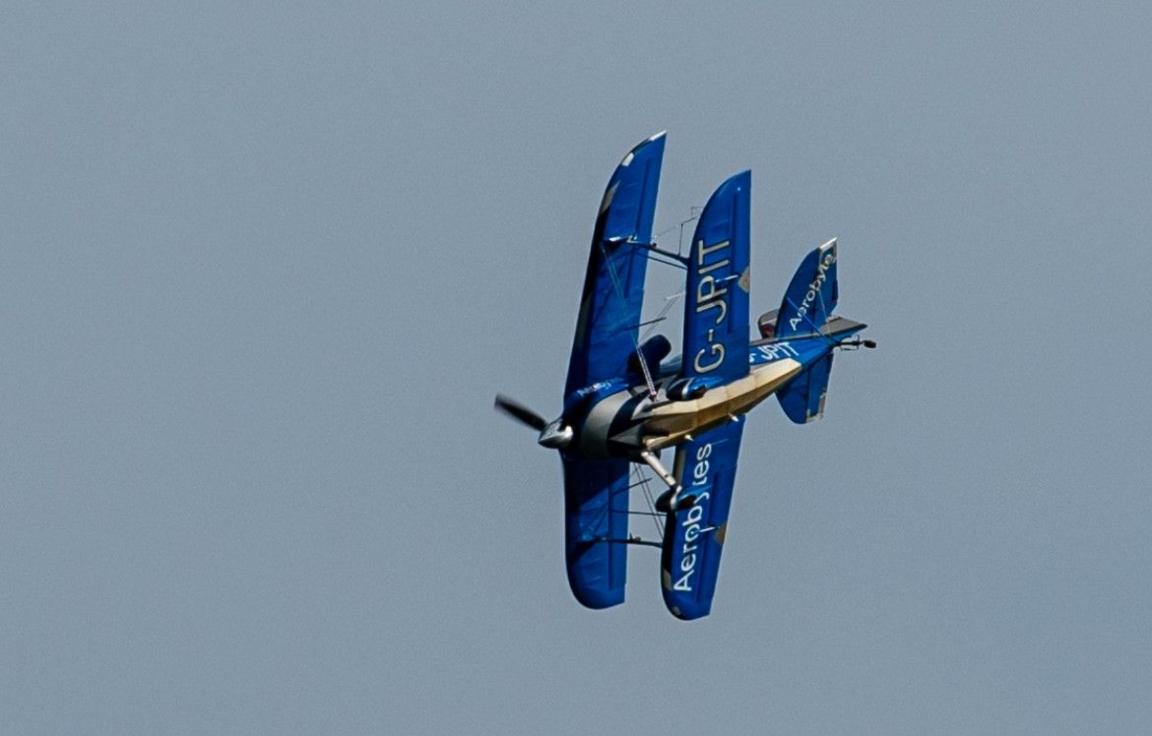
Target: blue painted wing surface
(596,509)
(609,317)
(716,298)
(694,535)
(596,492)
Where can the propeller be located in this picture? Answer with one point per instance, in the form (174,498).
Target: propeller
(520,413)
(555,434)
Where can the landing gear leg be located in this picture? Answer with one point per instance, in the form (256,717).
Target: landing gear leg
(671,498)
(654,462)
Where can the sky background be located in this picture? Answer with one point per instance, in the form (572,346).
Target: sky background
(263,267)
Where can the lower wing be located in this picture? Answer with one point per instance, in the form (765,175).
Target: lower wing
(596,525)
(694,532)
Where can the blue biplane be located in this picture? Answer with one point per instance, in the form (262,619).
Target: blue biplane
(625,401)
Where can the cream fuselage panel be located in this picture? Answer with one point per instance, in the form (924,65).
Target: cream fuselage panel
(653,424)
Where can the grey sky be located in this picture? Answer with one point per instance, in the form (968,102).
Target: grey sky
(264,266)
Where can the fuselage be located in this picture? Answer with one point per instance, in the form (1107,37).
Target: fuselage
(619,417)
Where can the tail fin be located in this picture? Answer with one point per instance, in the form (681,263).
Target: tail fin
(807,305)
(812,295)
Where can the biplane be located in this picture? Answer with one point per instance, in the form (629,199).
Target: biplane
(626,400)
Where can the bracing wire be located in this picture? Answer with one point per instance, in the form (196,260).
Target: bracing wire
(635,343)
(824,307)
(668,302)
(695,214)
(644,483)
(819,331)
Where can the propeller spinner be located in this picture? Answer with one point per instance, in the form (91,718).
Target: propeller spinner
(555,434)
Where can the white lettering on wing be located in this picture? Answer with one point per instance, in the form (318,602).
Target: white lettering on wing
(712,295)
(691,525)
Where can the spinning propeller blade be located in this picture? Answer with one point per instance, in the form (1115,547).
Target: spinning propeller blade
(520,413)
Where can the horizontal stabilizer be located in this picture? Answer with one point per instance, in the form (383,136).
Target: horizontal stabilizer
(803,398)
(812,295)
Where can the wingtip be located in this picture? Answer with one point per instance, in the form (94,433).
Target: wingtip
(628,158)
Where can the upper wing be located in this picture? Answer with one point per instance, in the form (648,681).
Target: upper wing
(609,317)
(694,535)
(596,510)
(716,300)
